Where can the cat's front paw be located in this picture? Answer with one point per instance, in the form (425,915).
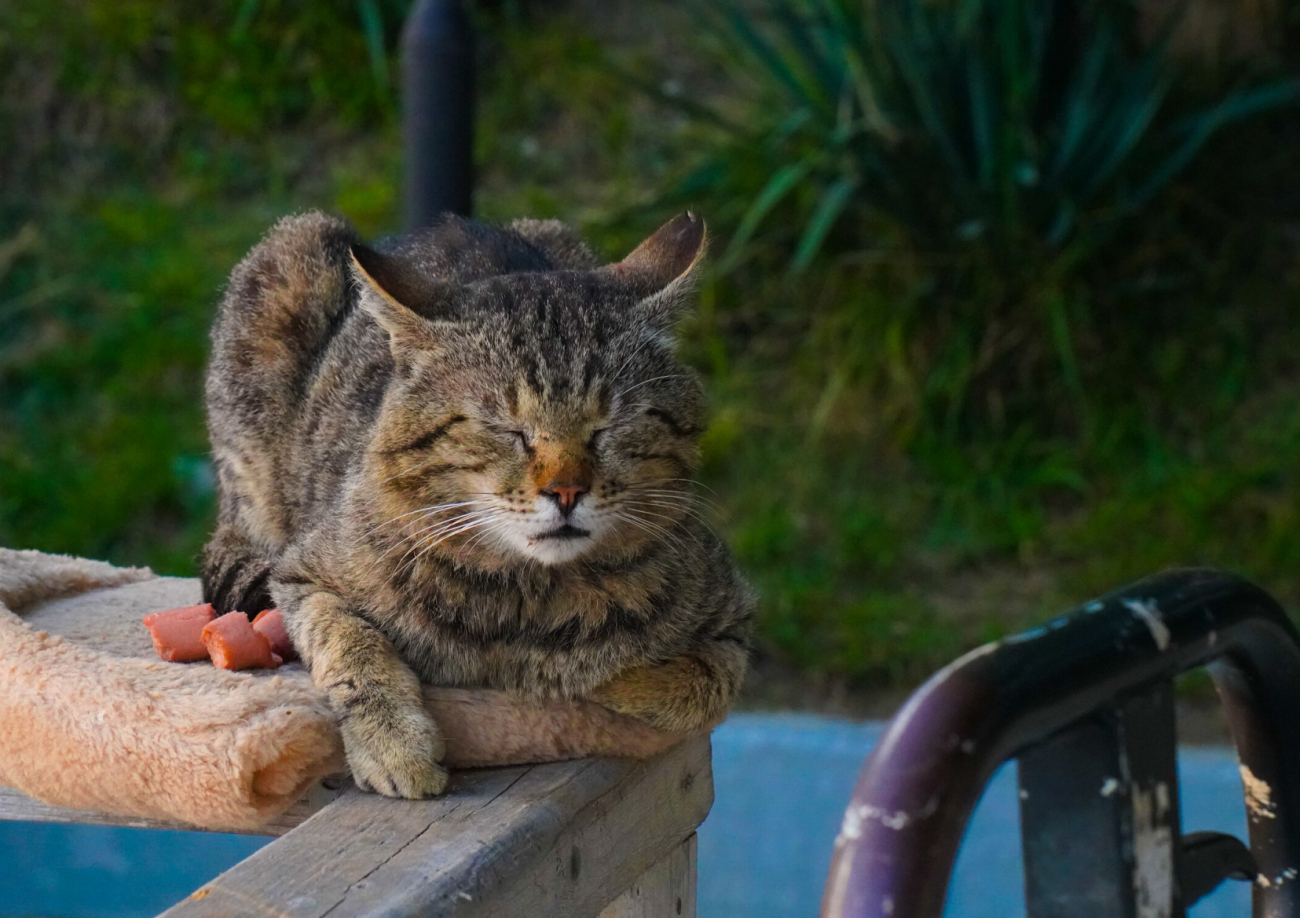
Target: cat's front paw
(396,756)
(678,696)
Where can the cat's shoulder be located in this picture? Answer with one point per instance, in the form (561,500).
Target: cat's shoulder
(302,259)
(308,238)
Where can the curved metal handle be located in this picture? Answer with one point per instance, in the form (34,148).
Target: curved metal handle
(915,794)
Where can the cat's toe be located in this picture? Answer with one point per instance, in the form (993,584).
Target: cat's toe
(396,762)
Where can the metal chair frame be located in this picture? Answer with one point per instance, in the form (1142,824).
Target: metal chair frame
(1085,703)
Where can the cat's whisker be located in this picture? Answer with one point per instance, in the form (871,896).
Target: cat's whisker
(646,382)
(436,508)
(415,539)
(681,492)
(423,546)
(687,509)
(654,529)
(426,528)
(677,498)
(491,529)
(693,500)
(694,482)
(435,535)
(639,348)
(481,521)
(675,521)
(412,470)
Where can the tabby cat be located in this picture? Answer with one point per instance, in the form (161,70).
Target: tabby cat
(466,459)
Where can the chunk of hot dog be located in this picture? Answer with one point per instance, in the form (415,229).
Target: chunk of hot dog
(178,633)
(233,644)
(271,625)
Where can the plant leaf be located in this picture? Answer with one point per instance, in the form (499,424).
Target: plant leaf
(823,219)
(773,192)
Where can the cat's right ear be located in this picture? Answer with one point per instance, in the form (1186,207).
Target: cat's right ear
(392,291)
(664,268)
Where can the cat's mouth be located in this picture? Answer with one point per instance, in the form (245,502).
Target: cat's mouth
(566,531)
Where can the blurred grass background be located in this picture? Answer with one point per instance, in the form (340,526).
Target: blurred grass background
(955,388)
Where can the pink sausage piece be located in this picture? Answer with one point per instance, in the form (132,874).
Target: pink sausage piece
(233,644)
(178,633)
(270,624)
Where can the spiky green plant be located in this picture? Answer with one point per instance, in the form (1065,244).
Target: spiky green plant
(1009,124)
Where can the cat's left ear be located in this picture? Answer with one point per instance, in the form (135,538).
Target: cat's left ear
(664,269)
(405,304)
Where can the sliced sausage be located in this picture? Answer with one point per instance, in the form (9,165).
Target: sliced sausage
(178,633)
(233,644)
(270,623)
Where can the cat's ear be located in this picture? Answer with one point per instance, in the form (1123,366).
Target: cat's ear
(405,305)
(663,269)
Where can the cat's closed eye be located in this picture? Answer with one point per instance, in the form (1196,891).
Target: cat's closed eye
(522,437)
(671,422)
(594,440)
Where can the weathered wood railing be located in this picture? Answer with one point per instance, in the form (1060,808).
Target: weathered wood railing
(607,837)
(604,837)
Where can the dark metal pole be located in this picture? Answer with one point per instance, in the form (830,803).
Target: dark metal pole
(438,111)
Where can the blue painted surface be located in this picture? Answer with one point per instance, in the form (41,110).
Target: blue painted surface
(782,782)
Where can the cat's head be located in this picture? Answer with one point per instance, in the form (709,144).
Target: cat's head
(540,417)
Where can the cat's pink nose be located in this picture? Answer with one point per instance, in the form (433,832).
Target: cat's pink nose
(566,496)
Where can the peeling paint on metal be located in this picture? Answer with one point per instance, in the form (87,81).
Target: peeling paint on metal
(1149,613)
(858,815)
(1259,796)
(1153,852)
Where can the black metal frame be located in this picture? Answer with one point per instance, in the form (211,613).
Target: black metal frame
(1086,704)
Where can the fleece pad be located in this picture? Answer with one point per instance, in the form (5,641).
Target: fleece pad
(90,718)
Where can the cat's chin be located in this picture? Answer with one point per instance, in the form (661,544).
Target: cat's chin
(558,549)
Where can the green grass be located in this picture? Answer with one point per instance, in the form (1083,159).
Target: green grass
(884,541)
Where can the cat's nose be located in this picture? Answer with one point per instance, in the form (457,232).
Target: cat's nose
(566,497)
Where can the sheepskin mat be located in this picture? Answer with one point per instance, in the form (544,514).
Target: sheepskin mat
(90,717)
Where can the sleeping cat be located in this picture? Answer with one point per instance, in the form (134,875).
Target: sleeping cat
(466,459)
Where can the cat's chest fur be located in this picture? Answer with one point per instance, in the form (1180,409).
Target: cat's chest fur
(537,632)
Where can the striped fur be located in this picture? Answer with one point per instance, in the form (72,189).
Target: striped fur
(466,458)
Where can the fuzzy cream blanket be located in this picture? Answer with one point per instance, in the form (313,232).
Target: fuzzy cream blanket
(90,718)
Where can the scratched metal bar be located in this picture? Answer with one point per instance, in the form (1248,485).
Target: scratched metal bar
(903,826)
(1099,814)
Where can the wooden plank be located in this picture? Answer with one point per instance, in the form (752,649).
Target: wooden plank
(15,806)
(557,840)
(665,890)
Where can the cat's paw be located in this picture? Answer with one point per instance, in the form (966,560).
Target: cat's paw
(397,757)
(677,697)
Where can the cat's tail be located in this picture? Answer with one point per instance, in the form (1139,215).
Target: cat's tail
(235,574)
